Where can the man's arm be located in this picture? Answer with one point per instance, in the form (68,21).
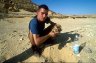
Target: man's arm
(39,40)
(35,39)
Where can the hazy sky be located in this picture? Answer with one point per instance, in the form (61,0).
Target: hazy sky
(70,6)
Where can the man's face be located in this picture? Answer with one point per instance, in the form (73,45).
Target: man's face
(42,14)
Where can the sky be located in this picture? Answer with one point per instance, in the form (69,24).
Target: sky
(70,7)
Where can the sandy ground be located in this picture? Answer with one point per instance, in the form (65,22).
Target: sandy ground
(15,46)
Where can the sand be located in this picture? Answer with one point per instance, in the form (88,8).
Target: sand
(15,46)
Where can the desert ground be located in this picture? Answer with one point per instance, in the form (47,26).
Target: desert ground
(16,48)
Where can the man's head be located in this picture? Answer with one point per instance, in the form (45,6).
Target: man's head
(42,12)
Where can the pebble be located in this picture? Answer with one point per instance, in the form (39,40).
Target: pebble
(48,60)
(21,39)
(13,36)
(14,31)
(20,35)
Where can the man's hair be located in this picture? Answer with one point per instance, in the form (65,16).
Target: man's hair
(43,6)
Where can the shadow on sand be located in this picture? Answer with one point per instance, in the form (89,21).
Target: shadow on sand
(62,39)
(21,57)
(66,38)
(82,46)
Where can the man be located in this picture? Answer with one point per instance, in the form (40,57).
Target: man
(37,32)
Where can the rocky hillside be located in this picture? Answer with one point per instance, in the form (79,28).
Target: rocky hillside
(27,5)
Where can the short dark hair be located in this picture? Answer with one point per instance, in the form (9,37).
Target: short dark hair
(43,6)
